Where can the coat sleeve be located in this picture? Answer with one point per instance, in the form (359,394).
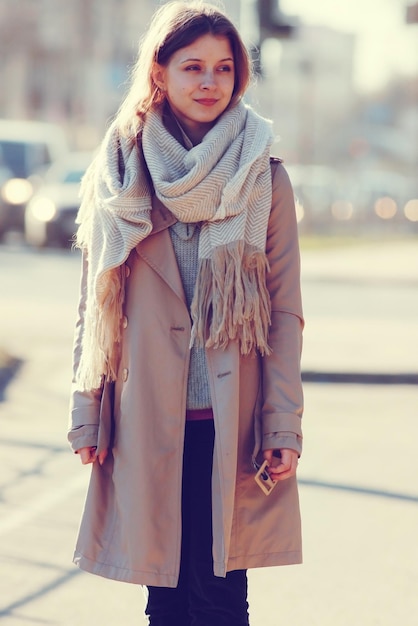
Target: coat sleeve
(282,406)
(84,405)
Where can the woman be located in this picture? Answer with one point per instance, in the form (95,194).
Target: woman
(187,350)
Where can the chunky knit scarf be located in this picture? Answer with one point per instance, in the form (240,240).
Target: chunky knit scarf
(225,184)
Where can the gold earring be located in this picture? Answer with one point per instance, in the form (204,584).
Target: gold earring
(159,95)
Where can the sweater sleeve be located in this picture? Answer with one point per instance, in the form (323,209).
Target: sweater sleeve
(282,387)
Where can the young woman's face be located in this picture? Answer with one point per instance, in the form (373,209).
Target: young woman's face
(198,83)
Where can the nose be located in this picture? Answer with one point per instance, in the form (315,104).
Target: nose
(208,80)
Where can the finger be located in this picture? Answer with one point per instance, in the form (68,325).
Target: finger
(84,458)
(287,466)
(277,471)
(283,476)
(268,455)
(290,458)
(84,455)
(102,456)
(87,455)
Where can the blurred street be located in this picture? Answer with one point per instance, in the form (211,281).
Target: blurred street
(358,473)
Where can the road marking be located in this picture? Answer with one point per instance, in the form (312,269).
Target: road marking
(41,504)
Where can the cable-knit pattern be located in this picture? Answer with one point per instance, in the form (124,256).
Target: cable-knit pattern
(185,239)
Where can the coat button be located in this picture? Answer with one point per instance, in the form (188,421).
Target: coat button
(127,270)
(124,322)
(125,373)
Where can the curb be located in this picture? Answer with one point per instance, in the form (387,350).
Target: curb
(361,378)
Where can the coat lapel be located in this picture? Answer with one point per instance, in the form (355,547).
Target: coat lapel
(157,249)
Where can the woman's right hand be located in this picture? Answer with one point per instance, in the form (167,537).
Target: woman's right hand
(89,455)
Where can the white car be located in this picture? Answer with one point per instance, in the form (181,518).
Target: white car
(51,212)
(27,148)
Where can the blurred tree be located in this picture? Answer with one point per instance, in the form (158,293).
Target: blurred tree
(412,13)
(272,22)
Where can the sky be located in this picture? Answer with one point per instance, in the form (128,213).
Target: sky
(386,45)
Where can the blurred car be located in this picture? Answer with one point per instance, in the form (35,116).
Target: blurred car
(382,194)
(314,187)
(27,148)
(51,212)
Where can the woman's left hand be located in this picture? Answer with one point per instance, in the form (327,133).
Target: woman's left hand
(283,467)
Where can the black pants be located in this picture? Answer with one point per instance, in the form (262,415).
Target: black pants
(200,599)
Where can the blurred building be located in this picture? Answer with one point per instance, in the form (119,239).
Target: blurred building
(68,62)
(308,89)
(412,13)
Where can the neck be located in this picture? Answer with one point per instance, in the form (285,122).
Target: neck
(189,137)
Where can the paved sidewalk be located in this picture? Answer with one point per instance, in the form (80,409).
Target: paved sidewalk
(359,499)
(361,308)
(376,261)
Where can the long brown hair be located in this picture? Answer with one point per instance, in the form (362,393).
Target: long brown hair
(176,25)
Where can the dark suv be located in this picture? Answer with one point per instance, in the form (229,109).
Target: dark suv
(27,148)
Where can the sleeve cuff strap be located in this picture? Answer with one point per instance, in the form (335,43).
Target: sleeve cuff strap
(83,437)
(279,422)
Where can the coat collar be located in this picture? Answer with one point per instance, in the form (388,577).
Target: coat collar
(161,217)
(157,250)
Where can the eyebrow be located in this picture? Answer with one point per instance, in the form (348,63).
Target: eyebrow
(200,60)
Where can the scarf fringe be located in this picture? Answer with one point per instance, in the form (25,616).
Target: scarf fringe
(231,300)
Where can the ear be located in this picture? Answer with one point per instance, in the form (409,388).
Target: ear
(158,76)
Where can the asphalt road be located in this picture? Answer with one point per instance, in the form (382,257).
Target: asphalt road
(358,484)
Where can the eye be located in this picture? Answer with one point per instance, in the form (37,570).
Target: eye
(225,68)
(192,68)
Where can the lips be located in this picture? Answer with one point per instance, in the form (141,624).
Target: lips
(207,101)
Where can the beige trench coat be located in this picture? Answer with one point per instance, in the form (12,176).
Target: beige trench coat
(131,524)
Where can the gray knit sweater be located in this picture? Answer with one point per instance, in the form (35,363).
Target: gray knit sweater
(185,239)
